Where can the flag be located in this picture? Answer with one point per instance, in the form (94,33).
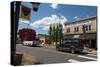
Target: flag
(25,12)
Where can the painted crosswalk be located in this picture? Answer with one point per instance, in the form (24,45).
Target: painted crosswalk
(92,54)
(73,60)
(91,58)
(83,57)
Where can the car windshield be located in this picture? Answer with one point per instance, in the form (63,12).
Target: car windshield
(71,41)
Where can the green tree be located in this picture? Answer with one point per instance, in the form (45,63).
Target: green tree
(55,33)
(60,32)
(50,34)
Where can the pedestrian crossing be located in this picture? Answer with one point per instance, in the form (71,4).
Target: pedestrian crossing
(91,58)
(92,54)
(83,58)
(73,61)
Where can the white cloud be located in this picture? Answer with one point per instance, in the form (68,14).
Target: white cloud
(46,28)
(63,19)
(54,6)
(41,21)
(46,21)
(76,18)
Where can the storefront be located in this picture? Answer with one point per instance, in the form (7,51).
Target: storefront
(90,38)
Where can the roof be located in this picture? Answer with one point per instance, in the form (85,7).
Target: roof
(42,35)
(80,21)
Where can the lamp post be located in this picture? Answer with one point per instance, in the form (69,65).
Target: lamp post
(35,6)
(84,34)
(84,31)
(14,25)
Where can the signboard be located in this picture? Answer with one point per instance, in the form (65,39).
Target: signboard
(76,36)
(25,12)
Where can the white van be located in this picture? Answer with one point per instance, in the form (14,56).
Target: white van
(27,43)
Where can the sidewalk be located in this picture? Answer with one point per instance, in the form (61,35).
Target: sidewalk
(90,51)
(93,52)
(50,46)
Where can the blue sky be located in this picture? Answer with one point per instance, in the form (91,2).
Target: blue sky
(53,13)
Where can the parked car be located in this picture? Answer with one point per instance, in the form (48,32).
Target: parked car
(27,43)
(72,45)
(35,43)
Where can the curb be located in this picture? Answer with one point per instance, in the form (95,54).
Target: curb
(90,51)
(50,46)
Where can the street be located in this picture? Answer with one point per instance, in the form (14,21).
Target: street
(48,55)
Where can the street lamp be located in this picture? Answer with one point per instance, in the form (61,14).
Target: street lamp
(35,6)
(14,24)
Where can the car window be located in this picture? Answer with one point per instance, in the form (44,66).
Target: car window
(71,41)
(75,41)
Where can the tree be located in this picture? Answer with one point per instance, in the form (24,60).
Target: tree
(55,33)
(60,32)
(50,34)
(27,34)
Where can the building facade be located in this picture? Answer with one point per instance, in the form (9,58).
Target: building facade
(43,39)
(75,30)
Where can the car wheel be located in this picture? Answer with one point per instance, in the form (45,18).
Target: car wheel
(72,50)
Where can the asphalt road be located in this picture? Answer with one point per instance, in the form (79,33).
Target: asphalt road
(48,55)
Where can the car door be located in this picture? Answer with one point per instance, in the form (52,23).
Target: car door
(62,46)
(66,46)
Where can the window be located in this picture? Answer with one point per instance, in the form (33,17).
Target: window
(86,27)
(76,29)
(89,27)
(68,30)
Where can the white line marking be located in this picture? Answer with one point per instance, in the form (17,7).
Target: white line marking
(73,61)
(92,54)
(87,57)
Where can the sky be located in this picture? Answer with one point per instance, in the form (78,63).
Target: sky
(50,13)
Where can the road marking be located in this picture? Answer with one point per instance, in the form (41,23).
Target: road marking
(92,54)
(73,61)
(87,57)
(67,53)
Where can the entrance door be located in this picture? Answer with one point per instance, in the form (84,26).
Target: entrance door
(93,44)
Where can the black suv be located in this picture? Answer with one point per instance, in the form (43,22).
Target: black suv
(72,45)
